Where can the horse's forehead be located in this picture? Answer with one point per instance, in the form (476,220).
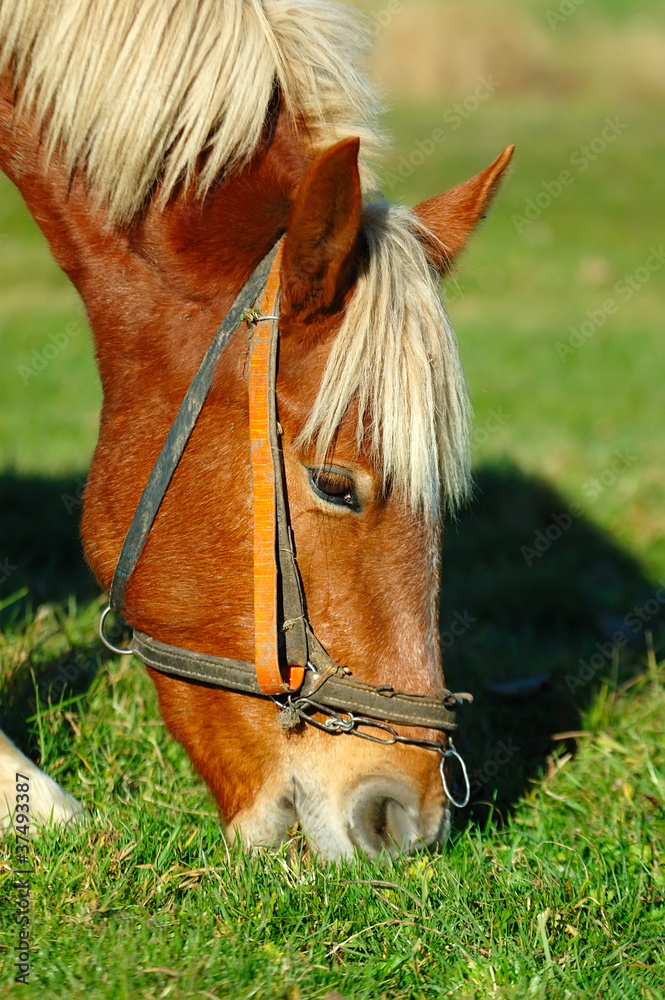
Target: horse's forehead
(304,350)
(394,518)
(295,406)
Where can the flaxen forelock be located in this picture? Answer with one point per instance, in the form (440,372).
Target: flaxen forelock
(396,354)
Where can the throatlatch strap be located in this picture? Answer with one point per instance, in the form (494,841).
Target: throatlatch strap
(179,434)
(266,466)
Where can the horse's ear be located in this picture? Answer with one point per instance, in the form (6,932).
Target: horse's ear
(322,232)
(452,216)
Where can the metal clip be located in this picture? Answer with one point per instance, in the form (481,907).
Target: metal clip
(254,316)
(336,724)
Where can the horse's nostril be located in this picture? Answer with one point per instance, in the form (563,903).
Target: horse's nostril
(381,818)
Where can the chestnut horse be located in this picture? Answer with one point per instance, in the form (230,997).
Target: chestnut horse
(164,148)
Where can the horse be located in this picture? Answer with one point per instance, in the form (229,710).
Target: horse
(164,149)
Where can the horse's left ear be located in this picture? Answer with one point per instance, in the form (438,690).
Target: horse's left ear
(452,216)
(322,232)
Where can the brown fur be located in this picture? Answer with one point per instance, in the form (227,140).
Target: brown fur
(155,291)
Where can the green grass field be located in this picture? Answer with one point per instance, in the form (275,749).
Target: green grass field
(553,883)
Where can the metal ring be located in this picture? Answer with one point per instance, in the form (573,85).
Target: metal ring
(107,642)
(337,724)
(452,752)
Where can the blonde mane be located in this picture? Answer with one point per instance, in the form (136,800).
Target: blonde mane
(136,90)
(396,356)
(139,89)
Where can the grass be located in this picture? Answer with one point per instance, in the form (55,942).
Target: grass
(147,900)
(48,377)
(552,885)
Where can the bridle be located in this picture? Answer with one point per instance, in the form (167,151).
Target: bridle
(310,683)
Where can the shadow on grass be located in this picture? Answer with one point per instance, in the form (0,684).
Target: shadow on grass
(525,594)
(531,591)
(43,581)
(40,545)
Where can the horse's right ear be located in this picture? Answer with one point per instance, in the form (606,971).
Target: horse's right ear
(451,217)
(322,232)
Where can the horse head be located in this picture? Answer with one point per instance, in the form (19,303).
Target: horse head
(373,417)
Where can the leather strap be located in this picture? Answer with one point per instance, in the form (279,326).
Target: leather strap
(269,521)
(179,434)
(261,405)
(278,589)
(341,692)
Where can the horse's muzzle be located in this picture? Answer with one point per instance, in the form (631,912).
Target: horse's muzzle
(385,815)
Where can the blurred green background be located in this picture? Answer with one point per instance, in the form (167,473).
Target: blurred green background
(490,74)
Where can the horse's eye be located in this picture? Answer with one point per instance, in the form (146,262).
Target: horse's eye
(334,486)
